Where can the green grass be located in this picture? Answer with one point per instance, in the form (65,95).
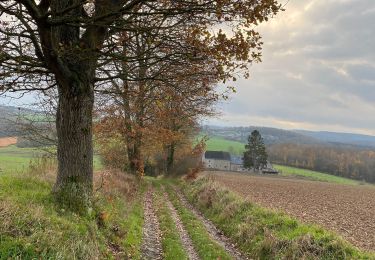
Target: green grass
(314,175)
(266,234)
(172,245)
(20,152)
(32,227)
(98,165)
(205,246)
(215,143)
(14,159)
(124,223)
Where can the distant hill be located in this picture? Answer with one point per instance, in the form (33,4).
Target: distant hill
(270,135)
(7,114)
(8,118)
(340,154)
(340,138)
(280,136)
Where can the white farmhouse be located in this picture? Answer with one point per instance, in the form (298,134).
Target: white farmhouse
(217,160)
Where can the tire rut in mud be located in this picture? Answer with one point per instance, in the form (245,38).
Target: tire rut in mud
(151,245)
(213,231)
(187,243)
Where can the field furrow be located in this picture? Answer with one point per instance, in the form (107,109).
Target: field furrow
(345,209)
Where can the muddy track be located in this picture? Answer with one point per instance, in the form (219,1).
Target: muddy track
(213,231)
(151,245)
(184,236)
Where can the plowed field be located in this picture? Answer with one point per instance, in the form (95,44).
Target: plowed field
(346,209)
(6,141)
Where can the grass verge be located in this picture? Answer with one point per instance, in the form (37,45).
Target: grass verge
(266,234)
(203,244)
(31,226)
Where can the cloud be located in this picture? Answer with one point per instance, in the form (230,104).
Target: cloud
(318,70)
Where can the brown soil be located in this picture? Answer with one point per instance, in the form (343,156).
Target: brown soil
(347,210)
(6,141)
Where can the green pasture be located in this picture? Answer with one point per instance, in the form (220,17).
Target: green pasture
(216,143)
(314,175)
(13,158)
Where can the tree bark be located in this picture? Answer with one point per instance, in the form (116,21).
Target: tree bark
(133,136)
(170,157)
(74,182)
(135,155)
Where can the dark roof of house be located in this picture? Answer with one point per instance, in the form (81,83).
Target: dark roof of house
(218,155)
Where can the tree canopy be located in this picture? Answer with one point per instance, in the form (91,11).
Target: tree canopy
(77,48)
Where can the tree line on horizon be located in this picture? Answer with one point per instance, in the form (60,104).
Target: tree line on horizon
(349,162)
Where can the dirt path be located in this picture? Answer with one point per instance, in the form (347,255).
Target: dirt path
(184,236)
(214,232)
(151,245)
(346,209)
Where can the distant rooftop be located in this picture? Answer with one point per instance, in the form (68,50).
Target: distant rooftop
(218,155)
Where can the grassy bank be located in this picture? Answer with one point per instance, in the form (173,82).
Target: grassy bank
(266,234)
(314,175)
(31,226)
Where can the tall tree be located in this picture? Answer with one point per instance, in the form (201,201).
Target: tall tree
(255,155)
(66,45)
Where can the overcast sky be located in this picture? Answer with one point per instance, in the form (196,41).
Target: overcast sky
(318,70)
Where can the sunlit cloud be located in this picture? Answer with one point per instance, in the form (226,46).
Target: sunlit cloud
(318,70)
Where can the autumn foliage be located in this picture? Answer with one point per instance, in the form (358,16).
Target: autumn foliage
(144,58)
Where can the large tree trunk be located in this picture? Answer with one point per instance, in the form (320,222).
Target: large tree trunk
(74,182)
